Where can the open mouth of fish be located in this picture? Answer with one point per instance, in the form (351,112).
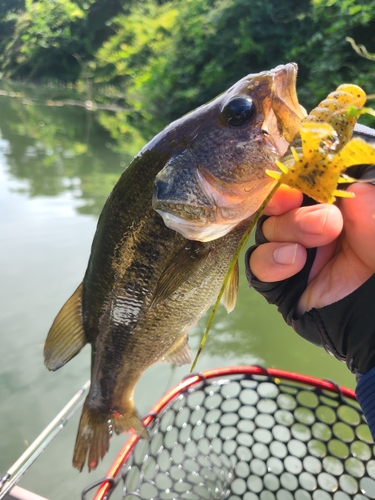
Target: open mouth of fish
(202,205)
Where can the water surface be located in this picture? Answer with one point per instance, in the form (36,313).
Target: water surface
(58,164)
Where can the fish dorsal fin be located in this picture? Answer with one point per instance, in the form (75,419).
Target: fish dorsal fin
(66,336)
(231,290)
(179,354)
(179,269)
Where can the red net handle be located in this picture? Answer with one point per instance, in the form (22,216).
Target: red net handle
(194,379)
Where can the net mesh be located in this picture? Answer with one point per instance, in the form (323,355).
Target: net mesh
(252,437)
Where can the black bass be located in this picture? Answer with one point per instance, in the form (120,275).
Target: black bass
(147,284)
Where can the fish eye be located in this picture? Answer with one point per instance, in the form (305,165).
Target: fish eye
(238,111)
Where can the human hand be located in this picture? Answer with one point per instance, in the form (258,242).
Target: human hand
(318,268)
(344,235)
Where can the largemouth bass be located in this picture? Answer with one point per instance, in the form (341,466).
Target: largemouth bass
(147,284)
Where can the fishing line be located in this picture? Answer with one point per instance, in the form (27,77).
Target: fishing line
(236,255)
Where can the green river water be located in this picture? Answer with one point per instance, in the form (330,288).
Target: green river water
(58,164)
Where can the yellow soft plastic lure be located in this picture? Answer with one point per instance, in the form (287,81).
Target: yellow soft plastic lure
(323,149)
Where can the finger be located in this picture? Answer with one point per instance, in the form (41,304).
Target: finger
(323,256)
(312,226)
(284,199)
(277,261)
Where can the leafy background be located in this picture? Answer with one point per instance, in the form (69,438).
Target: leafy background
(160,59)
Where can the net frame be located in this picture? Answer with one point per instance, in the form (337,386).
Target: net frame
(108,484)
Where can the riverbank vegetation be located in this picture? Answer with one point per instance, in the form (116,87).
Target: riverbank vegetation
(158,59)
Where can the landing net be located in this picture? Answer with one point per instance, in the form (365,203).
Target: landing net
(246,433)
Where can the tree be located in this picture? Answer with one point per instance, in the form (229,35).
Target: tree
(172,57)
(8,16)
(327,58)
(54,39)
(169,56)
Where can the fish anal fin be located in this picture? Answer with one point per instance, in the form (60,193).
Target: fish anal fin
(179,354)
(66,336)
(92,438)
(231,290)
(179,269)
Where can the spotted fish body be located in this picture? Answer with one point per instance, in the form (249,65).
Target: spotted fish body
(146,284)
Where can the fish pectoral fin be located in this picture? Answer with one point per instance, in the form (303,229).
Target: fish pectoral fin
(179,269)
(231,290)
(66,336)
(179,354)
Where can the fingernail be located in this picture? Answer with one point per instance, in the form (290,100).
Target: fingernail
(314,221)
(285,254)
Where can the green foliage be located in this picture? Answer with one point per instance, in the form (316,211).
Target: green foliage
(8,17)
(172,57)
(44,40)
(52,40)
(128,58)
(327,57)
(215,43)
(166,57)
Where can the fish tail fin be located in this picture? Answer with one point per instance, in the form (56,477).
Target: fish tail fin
(66,336)
(92,438)
(130,419)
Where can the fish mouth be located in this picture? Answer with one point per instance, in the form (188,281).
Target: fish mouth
(226,205)
(284,113)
